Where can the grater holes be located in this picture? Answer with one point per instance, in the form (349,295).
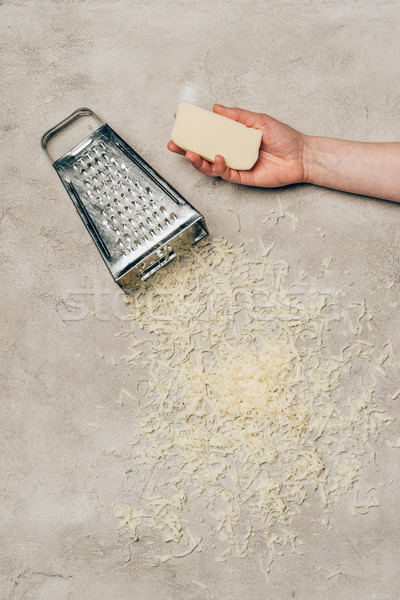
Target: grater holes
(127,206)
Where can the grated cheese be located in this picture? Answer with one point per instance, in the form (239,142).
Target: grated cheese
(200,584)
(246,408)
(326,263)
(295,220)
(334,574)
(239,227)
(362,507)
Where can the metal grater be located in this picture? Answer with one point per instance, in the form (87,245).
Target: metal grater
(138,222)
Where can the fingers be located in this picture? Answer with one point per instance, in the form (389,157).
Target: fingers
(174,148)
(204,166)
(199,163)
(216,169)
(247,117)
(220,168)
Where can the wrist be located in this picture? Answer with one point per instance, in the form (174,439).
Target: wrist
(309,154)
(321,160)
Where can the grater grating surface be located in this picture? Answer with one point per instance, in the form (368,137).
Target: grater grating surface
(138,222)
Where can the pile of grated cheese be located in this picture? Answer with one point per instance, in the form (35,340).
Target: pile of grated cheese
(257,395)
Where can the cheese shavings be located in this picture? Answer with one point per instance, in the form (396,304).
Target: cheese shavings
(250,406)
(334,574)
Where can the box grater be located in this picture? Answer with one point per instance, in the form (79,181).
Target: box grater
(138,222)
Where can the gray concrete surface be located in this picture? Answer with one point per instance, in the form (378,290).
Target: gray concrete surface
(326,67)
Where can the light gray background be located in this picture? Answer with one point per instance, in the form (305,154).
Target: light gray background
(326,67)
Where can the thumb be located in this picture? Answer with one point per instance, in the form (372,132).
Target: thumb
(247,117)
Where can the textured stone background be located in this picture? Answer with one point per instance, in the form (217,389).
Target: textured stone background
(326,67)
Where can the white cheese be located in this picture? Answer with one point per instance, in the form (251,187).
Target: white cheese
(208,134)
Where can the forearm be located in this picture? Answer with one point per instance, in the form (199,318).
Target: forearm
(370,169)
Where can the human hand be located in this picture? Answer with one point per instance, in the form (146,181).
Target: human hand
(280,160)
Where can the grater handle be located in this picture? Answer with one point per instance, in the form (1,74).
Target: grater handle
(80,112)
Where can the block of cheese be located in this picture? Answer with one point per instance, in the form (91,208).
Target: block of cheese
(208,134)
